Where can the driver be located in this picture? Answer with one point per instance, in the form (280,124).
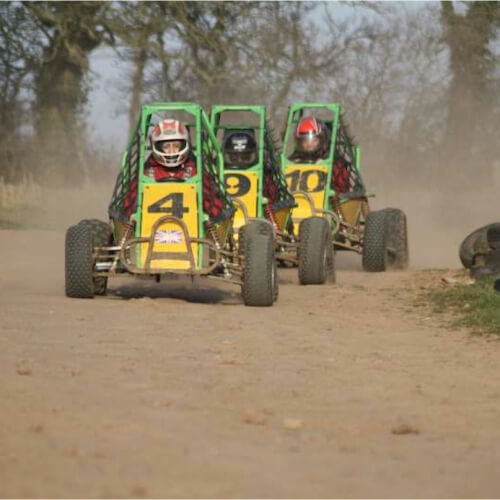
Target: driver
(240,149)
(311,145)
(311,141)
(171,158)
(240,152)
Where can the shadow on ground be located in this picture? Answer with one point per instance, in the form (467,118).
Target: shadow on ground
(200,291)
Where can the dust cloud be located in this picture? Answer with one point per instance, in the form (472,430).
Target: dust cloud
(439,215)
(55,204)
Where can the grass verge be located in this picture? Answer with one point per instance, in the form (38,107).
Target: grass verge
(476,306)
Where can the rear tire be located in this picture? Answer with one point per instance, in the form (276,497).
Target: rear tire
(78,262)
(260,280)
(316,256)
(375,255)
(397,238)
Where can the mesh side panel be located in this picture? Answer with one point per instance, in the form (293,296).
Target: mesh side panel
(218,200)
(124,198)
(273,165)
(345,155)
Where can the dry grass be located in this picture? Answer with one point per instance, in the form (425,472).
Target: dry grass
(32,206)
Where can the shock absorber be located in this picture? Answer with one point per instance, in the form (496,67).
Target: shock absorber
(336,206)
(127,232)
(268,208)
(210,227)
(129,228)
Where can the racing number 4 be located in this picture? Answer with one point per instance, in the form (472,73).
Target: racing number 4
(310,181)
(176,208)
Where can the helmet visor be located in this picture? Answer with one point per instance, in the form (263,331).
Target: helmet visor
(308,143)
(170,147)
(243,159)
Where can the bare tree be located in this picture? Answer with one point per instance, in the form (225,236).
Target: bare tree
(473,94)
(233,52)
(70,31)
(18,57)
(387,65)
(138,27)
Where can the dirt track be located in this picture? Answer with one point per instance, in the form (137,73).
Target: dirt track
(337,391)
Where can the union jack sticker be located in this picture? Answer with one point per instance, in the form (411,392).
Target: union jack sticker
(168,236)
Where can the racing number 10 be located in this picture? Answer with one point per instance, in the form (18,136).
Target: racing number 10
(177,208)
(310,181)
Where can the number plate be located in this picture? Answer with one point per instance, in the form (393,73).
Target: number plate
(177,200)
(309,178)
(243,185)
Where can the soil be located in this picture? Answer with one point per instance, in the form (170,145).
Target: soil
(179,390)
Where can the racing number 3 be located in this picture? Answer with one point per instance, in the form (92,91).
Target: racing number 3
(177,208)
(237,184)
(310,181)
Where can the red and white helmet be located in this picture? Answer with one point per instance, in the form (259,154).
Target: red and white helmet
(170,131)
(310,137)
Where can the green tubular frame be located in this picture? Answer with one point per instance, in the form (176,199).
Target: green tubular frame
(265,142)
(294,114)
(260,111)
(205,146)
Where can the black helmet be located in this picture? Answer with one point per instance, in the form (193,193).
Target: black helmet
(240,149)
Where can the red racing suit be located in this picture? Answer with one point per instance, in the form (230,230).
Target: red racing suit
(212,205)
(341,181)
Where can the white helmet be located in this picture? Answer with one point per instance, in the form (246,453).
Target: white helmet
(169,131)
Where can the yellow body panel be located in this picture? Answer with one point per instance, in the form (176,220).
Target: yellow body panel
(351,211)
(177,200)
(281,218)
(243,186)
(310,179)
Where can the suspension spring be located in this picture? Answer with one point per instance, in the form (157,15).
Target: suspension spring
(129,228)
(336,207)
(128,231)
(210,227)
(271,215)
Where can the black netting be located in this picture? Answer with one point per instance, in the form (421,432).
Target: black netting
(124,199)
(272,167)
(216,202)
(345,176)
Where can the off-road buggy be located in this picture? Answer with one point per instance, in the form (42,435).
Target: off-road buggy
(379,236)
(167,229)
(261,194)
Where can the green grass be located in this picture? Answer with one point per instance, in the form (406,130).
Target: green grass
(476,306)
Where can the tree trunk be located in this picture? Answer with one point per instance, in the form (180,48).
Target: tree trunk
(469,106)
(139,63)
